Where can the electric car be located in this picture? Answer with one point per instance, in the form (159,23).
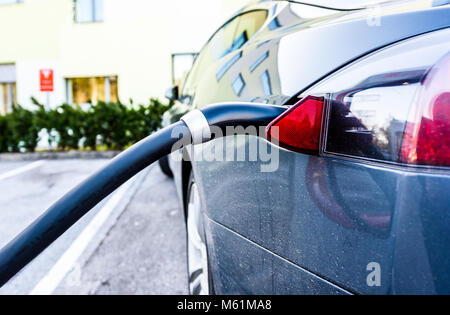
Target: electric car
(349,193)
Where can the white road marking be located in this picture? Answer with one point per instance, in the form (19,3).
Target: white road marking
(20,170)
(67,262)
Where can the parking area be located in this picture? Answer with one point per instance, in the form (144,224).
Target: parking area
(131,243)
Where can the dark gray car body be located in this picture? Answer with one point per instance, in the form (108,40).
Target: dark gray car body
(267,233)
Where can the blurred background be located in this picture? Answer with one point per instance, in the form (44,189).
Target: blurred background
(100,50)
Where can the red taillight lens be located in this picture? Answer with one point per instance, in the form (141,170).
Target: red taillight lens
(298,129)
(426,139)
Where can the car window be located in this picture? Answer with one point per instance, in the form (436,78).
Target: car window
(231,37)
(250,23)
(247,25)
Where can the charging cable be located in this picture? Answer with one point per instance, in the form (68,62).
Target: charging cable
(76,203)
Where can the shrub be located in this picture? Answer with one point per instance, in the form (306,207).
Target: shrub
(67,120)
(5,134)
(110,125)
(143,120)
(22,129)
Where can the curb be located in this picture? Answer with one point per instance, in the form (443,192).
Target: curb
(70,155)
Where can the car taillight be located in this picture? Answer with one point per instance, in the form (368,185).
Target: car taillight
(426,139)
(298,128)
(391,106)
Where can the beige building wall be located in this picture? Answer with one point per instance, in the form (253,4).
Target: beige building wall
(134,42)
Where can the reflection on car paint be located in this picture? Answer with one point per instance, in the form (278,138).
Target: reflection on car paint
(265,83)
(223,70)
(316,175)
(259,61)
(274,24)
(238,85)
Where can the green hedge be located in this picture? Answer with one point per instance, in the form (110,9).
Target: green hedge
(69,127)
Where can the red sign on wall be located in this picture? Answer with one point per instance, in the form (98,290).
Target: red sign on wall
(46,80)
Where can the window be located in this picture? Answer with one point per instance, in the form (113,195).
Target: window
(8,95)
(249,24)
(236,33)
(92,90)
(88,11)
(10,1)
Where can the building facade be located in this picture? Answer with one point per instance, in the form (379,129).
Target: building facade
(81,51)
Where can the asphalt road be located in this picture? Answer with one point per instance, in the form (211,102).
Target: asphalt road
(131,243)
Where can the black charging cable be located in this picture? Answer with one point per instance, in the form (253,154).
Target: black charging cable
(196,126)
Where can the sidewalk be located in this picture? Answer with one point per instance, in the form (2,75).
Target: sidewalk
(54,155)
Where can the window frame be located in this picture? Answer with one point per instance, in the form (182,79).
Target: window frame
(8,86)
(93,18)
(173,57)
(10,97)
